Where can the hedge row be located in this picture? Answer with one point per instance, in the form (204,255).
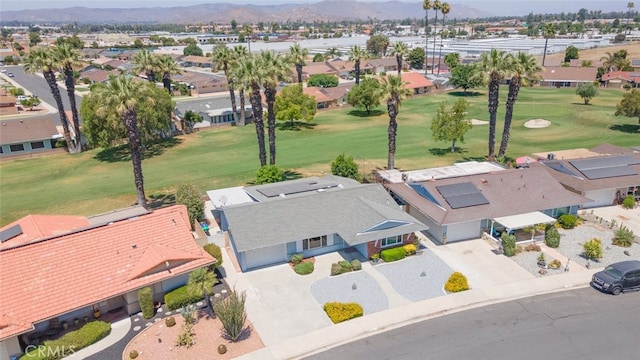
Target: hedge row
(70,342)
(344,266)
(339,312)
(179,297)
(145,298)
(393,254)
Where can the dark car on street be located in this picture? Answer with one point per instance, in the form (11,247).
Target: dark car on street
(618,277)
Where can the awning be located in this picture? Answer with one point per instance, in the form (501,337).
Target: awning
(523,220)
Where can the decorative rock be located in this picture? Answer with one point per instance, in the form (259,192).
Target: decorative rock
(136,328)
(148,324)
(217,295)
(136,319)
(542,272)
(168,313)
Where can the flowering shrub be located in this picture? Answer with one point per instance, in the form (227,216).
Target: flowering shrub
(339,312)
(456,283)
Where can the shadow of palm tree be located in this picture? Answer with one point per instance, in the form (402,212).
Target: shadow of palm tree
(627,128)
(447,150)
(122,152)
(291,175)
(464,94)
(363,113)
(295,125)
(161,200)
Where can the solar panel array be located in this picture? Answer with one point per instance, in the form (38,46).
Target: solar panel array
(606,167)
(294,188)
(462,195)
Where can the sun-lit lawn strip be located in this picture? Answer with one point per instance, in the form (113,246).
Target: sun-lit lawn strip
(215,158)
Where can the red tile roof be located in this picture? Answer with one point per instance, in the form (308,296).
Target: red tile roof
(51,277)
(416,80)
(623,75)
(38,227)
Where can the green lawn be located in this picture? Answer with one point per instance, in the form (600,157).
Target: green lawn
(96,181)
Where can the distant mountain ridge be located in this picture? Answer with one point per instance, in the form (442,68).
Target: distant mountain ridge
(327,10)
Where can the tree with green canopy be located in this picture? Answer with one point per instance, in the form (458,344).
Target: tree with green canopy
(450,124)
(292,104)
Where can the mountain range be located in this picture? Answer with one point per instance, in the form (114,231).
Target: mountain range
(326,10)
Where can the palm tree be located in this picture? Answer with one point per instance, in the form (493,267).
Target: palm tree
(145,63)
(394,89)
(332,53)
(41,60)
(630,6)
(247,30)
(274,67)
(445,8)
(167,67)
(548,31)
(298,56)
(437,5)
(492,66)
(223,58)
(201,282)
(121,95)
(426,5)
(356,54)
(609,62)
(239,52)
(66,58)
(248,72)
(400,50)
(523,69)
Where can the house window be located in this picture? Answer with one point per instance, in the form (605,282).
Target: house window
(314,242)
(16,147)
(37,145)
(393,240)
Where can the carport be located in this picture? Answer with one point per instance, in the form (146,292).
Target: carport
(515,222)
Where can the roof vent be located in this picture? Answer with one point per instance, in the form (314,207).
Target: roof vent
(282,195)
(134,246)
(484,181)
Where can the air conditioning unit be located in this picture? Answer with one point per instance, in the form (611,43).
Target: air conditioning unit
(405,177)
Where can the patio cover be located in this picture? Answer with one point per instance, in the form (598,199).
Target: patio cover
(523,220)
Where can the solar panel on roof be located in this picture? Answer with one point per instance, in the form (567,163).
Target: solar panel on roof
(558,166)
(609,172)
(294,188)
(462,201)
(457,189)
(11,232)
(604,162)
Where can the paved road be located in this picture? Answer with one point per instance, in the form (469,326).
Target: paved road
(37,85)
(578,324)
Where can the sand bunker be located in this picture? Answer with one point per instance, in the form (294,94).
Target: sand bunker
(478,122)
(537,123)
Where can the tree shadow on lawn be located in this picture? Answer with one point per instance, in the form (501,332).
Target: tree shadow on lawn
(122,152)
(363,113)
(291,175)
(295,126)
(627,128)
(161,200)
(465,94)
(446,151)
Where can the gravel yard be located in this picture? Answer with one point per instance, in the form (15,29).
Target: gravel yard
(340,288)
(528,261)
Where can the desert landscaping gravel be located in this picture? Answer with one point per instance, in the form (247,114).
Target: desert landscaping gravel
(340,288)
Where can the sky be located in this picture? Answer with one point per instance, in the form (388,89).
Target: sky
(495,7)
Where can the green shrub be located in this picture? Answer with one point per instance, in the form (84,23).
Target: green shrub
(215,251)
(568,221)
(133,354)
(394,254)
(456,283)
(185,337)
(555,264)
(269,174)
(592,249)
(345,266)
(339,312)
(532,247)
(629,202)
(552,237)
(231,313)
(188,313)
(410,249)
(296,259)
(356,265)
(179,297)
(623,237)
(303,268)
(508,244)
(336,269)
(145,299)
(70,342)
(190,196)
(170,321)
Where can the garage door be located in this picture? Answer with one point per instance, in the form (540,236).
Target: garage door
(464,231)
(600,198)
(265,256)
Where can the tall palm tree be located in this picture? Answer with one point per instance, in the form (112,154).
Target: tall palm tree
(548,31)
(298,56)
(523,69)
(223,58)
(394,89)
(42,60)
(630,6)
(66,58)
(240,52)
(445,8)
(121,95)
(167,67)
(332,53)
(201,282)
(426,5)
(492,66)
(356,54)
(274,67)
(145,63)
(437,5)
(400,50)
(248,32)
(249,73)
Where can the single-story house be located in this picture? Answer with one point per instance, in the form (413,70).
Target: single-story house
(384,65)
(28,134)
(197,61)
(417,83)
(65,267)
(464,207)
(266,224)
(560,76)
(313,68)
(620,79)
(7,103)
(202,83)
(635,64)
(605,176)
(329,97)
(97,76)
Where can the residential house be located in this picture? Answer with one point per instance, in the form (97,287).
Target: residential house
(65,267)
(97,76)
(27,135)
(417,83)
(266,224)
(197,61)
(8,103)
(384,65)
(202,83)
(314,68)
(621,79)
(329,97)
(560,76)
(635,64)
(468,200)
(90,53)
(604,174)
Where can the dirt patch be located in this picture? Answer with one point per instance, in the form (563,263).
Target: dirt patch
(478,122)
(537,123)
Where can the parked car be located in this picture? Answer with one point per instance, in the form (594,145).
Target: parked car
(618,277)
(10,74)
(21,97)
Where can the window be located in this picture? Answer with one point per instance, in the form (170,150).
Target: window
(393,240)
(16,147)
(37,145)
(314,242)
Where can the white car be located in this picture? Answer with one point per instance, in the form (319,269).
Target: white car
(22,97)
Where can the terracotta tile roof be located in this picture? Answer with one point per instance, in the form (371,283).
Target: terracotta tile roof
(52,277)
(319,95)
(37,227)
(20,130)
(623,75)
(416,80)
